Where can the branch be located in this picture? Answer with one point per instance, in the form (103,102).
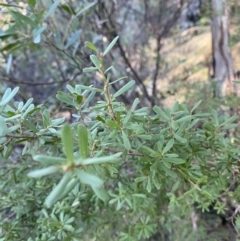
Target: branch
(130,153)
(18,81)
(113,33)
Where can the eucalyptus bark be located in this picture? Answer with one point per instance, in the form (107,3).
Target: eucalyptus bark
(222,60)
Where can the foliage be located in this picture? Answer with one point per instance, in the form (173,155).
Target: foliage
(115,172)
(58,56)
(114,169)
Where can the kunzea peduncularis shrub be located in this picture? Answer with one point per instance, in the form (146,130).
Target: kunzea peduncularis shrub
(115,172)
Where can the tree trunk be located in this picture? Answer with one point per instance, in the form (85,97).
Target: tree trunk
(222,59)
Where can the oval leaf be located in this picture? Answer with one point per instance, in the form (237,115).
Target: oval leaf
(126,141)
(95,60)
(83,141)
(57,191)
(67,141)
(43,172)
(50,160)
(168,146)
(88,178)
(124,88)
(110,46)
(3,126)
(91,46)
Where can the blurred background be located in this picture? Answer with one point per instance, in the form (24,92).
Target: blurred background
(175,50)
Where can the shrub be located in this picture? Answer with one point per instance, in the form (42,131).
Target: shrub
(115,172)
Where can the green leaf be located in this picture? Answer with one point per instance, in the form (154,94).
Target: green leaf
(176,185)
(71,184)
(31,3)
(50,160)
(89,69)
(101,193)
(73,38)
(57,121)
(127,118)
(112,124)
(231,119)
(43,172)
(89,88)
(91,46)
(57,191)
(88,178)
(169,172)
(83,141)
(67,141)
(166,163)
(215,117)
(185,118)
(37,33)
(95,60)
(110,46)
(126,141)
(79,99)
(180,139)
(10,5)
(9,63)
(196,105)
(11,47)
(230,127)
(13,128)
(3,127)
(30,108)
(145,137)
(100,160)
(68,9)
(125,88)
(135,103)
(139,195)
(174,160)
(99,118)
(52,8)
(115,81)
(64,98)
(161,113)
(46,118)
(168,146)
(21,19)
(140,179)
(24,107)
(147,150)
(85,8)
(8,95)
(149,186)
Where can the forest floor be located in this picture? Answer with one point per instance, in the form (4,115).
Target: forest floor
(188,57)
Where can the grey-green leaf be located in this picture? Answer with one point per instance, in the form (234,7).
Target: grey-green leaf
(125,88)
(52,8)
(100,160)
(43,172)
(101,193)
(50,160)
(67,140)
(110,46)
(57,191)
(126,141)
(3,126)
(88,178)
(95,60)
(8,95)
(168,146)
(83,141)
(91,46)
